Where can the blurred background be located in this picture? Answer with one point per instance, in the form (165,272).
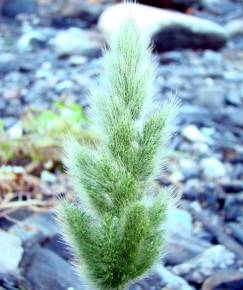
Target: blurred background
(50,57)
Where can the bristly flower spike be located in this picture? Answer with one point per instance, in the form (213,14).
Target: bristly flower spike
(117,226)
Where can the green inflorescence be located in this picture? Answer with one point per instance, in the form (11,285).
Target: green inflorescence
(116,226)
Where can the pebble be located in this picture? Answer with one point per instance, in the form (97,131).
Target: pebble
(212,168)
(11,252)
(172,281)
(47,270)
(179,220)
(14,7)
(225,280)
(75,41)
(182,246)
(193,134)
(35,227)
(212,260)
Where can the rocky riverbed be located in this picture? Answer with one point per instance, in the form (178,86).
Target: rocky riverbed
(47,56)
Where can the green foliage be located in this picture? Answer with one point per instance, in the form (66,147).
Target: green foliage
(44,131)
(116,226)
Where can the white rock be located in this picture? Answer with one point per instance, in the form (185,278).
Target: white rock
(158,24)
(172,281)
(212,168)
(25,43)
(235,27)
(179,220)
(75,41)
(16,131)
(212,260)
(193,134)
(48,177)
(11,252)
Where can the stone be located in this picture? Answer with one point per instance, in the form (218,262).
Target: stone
(234,116)
(234,27)
(31,39)
(237,231)
(46,270)
(11,8)
(193,134)
(182,247)
(57,245)
(212,260)
(76,41)
(8,62)
(11,252)
(84,10)
(179,30)
(172,281)
(48,177)
(211,96)
(226,280)
(35,226)
(212,168)
(179,220)
(172,4)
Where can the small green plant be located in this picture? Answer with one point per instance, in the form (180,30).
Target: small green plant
(44,131)
(116,224)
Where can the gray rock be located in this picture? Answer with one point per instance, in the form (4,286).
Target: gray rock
(179,30)
(11,252)
(179,220)
(182,247)
(172,281)
(46,270)
(212,260)
(11,8)
(212,168)
(189,168)
(8,62)
(193,134)
(39,225)
(235,116)
(75,41)
(211,96)
(226,280)
(234,27)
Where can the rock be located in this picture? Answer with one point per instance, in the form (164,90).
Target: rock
(212,168)
(172,4)
(212,260)
(172,281)
(193,114)
(46,270)
(48,177)
(57,245)
(179,30)
(179,220)
(211,96)
(31,39)
(8,62)
(193,134)
(75,41)
(233,207)
(39,225)
(234,27)
(234,116)
(11,8)
(16,131)
(237,231)
(89,12)
(226,280)
(182,247)
(11,252)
